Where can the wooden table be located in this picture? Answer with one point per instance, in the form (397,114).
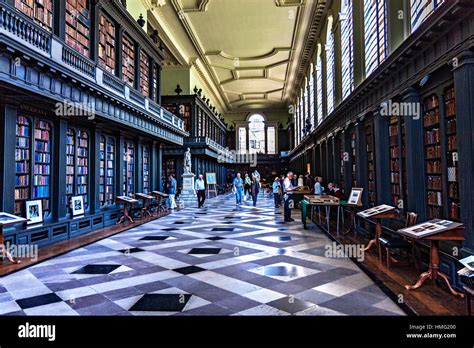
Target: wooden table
(146,200)
(6,220)
(127,202)
(160,195)
(453,232)
(327,202)
(378,213)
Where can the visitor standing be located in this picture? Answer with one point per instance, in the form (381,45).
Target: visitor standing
(288,189)
(172,185)
(318,187)
(276,192)
(255,189)
(247,184)
(200,190)
(238,189)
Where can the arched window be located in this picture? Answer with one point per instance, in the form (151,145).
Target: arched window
(375,34)
(319,86)
(306,104)
(297,115)
(257,134)
(330,66)
(311,97)
(420,10)
(301,118)
(347,43)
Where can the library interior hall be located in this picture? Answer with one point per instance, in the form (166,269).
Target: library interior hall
(236,157)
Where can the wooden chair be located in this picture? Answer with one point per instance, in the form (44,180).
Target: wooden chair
(390,244)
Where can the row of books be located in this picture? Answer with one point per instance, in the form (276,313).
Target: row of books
(42,146)
(82,151)
(82,162)
(106,181)
(41,191)
(452,143)
(433,152)
(453,190)
(22,180)
(22,120)
(433,167)
(394,178)
(22,193)
(22,155)
(70,161)
(42,157)
(82,190)
(434,212)
(22,142)
(40,180)
(431,102)
(395,189)
(81,180)
(451,126)
(434,182)
(43,169)
(450,108)
(435,198)
(42,134)
(82,170)
(432,137)
(22,131)
(431,118)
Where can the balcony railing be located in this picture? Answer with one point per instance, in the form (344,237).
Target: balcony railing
(15,24)
(23,30)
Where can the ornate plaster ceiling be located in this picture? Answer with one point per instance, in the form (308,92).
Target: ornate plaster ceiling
(248,50)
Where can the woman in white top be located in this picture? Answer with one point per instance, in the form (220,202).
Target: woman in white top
(300,181)
(318,188)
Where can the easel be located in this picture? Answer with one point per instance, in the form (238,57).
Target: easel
(213,189)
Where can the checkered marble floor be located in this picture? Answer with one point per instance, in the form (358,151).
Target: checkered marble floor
(218,260)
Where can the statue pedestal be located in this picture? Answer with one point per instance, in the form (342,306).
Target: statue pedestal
(188,194)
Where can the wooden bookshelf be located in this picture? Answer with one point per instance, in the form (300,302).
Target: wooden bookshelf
(369,141)
(404,163)
(342,162)
(186,116)
(23,160)
(394,161)
(70,162)
(106,45)
(128,60)
(352,137)
(77,30)
(41,11)
(452,174)
(106,170)
(82,164)
(432,142)
(42,164)
(156,83)
(144,73)
(128,168)
(169,168)
(146,169)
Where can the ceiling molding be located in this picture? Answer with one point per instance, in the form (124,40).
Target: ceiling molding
(289,3)
(270,54)
(199,6)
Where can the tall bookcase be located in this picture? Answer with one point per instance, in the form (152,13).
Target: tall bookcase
(146,169)
(23,161)
(128,60)
(106,45)
(128,168)
(106,170)
(369,141)
(352,137)
(77,164)
(394,160)
(78,25)
(144,73)
(82,165)
(433,153)
(342,161)
(453,202)
(70,162)
(42,166)
(41,11)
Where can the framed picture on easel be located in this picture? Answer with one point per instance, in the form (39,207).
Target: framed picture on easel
(355,198)
(211,183)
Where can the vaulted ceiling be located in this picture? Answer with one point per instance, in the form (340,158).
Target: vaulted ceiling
(250,52)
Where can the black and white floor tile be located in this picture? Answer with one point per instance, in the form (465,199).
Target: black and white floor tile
(217,260)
